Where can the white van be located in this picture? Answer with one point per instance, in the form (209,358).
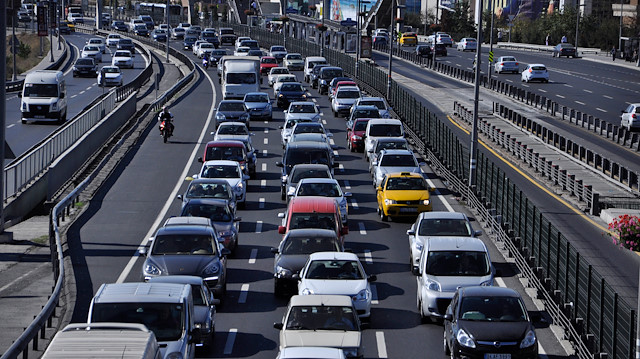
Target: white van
(240,77)
(165,308)
(381,127)
(104,340)
(44,97)
(310,62)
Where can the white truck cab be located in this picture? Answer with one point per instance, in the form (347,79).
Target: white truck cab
(44,97)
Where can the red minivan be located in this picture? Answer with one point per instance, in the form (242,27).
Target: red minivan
(226,150)
(313,212)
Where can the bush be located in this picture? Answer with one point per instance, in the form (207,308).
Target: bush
(627,231)
(24,50)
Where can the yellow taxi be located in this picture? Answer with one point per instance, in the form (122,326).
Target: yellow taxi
(403,194)
(408,38)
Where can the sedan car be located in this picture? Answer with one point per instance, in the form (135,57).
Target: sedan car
(384,143)
(205,50)
(333,84)
(564,49)
(289,183)
(99,42)
(391,161)
(480,317)
(221,215)
(507,64)
(85,67)
(274,72)
(535,72)
(119,26)
(403,194)
(277,51)
(383,107)
(110,76)
(285,133)
(216,55)
(293,62)
(408,39)
(305,110)
(141,30)
(122,59)
(159,35)
(178,33)
(188,42)
(242,51)
(126,44)
(344,98)
(629,118)
(293,252)
(267,63)
(209,188)
(337,273)
(232,110)
(280,79)
(362,111)
(259,106)
(229,171)
(92,51)
(467,44)
(290,92)
(324,187)
(113,39)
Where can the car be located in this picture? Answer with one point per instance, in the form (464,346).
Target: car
(239,40)
(391,161)
(122,59)
(321,320)
(196,28)
(242,51)
(293,252)
(314,74)
(423,50)
(184,25)
(277,51)
(355,131)
(316,128)
(325,75)
(233,149)
(237,131)
(226,35)
(381,32)
(564,49)
(403,194)
(204,304)
(221,215)
(300,172)
(444,39)
(119,26)
(437,224)
(480,317)
(205,50)
(379,128)
(135,22)
(259,106)
(113,39)
(313,212)
(75,18)
(274,72)
(178,33)
(159,35)
(293,61)
(85,67)
(362,111)
(164,27)
(267,63)
(232,110)
(280,79)
(535,72)
(344,98)
(66,27)
(383,143)
(127,44)
(211,37)
(188,42)
(629,118)
(195,46)
(383,107)
(287,128)
(380,42)
(290,92)
(440,49)
(99,42)
(254,52)
(300,153)
(148,21)
(105,19)
(92,52)
(309,63)
(209,188)
(250,43)
(141,30)
(229,171)
(408,39)
(507,64)
(334,83)
(187,246)
(302,110)
(311,352)
(467,44)
(216,55)
(23,16)
(110,76)
(323,187)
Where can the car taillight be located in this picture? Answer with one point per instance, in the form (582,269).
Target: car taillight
(502,64)
(530,70)
(517,64)
(633,116)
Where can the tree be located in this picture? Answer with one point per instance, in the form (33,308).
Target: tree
(458,23)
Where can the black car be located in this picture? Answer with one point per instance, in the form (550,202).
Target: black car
(216,55)
(293,251)
(226,35)
(290,92)
(85,66)
(423,50)
(564,49)
(315,72)
(141,30)
(326,75)
(486,320)
(188,42)
(63,28)
(211,37)
(379,42)
(126,44)
(159,35)
(440,49)
(119,25)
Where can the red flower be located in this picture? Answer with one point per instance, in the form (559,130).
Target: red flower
(626,231)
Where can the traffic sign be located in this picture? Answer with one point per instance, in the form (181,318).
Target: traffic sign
(348,22)
(490,56)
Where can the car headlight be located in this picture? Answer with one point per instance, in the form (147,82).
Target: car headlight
(54,106)
(244,116)
(225,234)
(239,186)
(426,202)
(362,295)
(356,137)
(210,269)
(280,95)
(529,339)
(390,201)
(174,355)
(306,291)
(284,178)
(152,269)
(282,272)
(487,283)
(350,352)
(465,339)
(220,116)
(433,285)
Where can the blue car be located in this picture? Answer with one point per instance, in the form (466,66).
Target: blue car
(259,106)
(188,42)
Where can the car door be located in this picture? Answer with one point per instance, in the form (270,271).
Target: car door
(448,325)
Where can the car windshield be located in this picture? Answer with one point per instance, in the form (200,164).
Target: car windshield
(286,79)
(221,171)
(292,122)
(178,29)
(208,190)
(334,269)
(321,317)
(306,245)
(278,48)
(319,189)
(377,103)
(122,54)
(299,174)
(91,48)
(538,68)
(206,45)
(360,126)
(294,57)
(95,41)
(179,244)
(308,156)
(313,220)
(267,60)
(124,42)
(236,78)
(278,71)
(231,106)
(84,61)
(141,27)
(165,320)
(225,153)
(434,227)
(217,213)
(292,88)
(508,59)
(457,263)
(492,309)
(398,161)
(348,94)
(388,145)
(308,128)
(331,73)
(226,31)
(256,98)
(366,114)
(233,130)
(160,31)
(407,184)
(40,90)
(384,130)
(111,70)
(219,52)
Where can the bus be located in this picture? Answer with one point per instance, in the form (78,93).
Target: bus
(157,12)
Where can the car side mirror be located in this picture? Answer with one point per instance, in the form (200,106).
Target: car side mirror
(281,215)
(62,95)
(179,197)
(432,189)
(274,250)
(379,188)
(411,232)
(329,134)
(280,127)
(195,176)
(448,317)
(416,271)
(225,252)
(282,229)
(295,276)
(200,159)
(279,164)
(20,95)
(372,278)
(278,326)
(477,233)
(347,194)
(237,219)
(142,251)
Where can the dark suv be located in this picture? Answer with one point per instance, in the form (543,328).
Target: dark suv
(326,75)
(304,152)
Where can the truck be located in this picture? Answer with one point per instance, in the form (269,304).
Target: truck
(240,75)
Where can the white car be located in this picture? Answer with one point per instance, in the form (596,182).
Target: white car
(195,46)
(277,51)
(281,79)
(629,118)
(324,187)
(344,98)
(164,27)
(311,352)
(467,44)
(75,18)
(229,171)
(113,39)
(392,161)
(240,39)
(274,72)
(302,110)
(535,72)
(285,134)
(110,76)
(205,50)
(337,273)
(92,52)
(437,224)
(242,51)
(235,131)
(99,42)
(122,59)
(293,62)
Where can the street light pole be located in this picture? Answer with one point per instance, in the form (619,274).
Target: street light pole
(51,17)
(620,36)
(168,27)
(476,99)
(13,41)
(577,24)
(357,37)
(490,39)
(393,35)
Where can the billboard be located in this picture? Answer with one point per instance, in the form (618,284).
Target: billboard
(344,9)
(42,21)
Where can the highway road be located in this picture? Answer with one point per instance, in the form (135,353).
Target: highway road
(140,195)
(81,91)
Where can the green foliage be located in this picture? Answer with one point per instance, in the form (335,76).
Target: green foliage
(24,50)
(413,19)
(458,24)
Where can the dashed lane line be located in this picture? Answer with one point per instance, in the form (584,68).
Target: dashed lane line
(266,141)
(264,167)
(264,153)
(363,230)
(347,185)
(580,103)
(244,290)
(231,338)
(261,203)
(374,294)
(258,227)
(382,346)
(354,204)
(601,110)
(367,256)
(263,183)
(253,256)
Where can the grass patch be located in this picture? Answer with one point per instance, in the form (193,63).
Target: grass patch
(79,204)
(41,240)
(28,53)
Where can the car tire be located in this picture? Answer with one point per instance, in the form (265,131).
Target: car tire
(423,318)
(23,121)
(445,346)
(383,217)
(242,205)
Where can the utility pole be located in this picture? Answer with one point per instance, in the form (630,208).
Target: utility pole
(4,236)
(391,37)
(490,62)
(476,99)
(13,40)
(168,27)
(52,17)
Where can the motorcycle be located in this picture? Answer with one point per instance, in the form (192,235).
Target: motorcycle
(166,129)
(205,63)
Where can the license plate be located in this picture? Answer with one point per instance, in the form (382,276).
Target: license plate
(38,116)
(497,356)
(408,209)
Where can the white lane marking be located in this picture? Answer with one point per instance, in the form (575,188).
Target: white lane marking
(264,153)
(525,85)
(266,141)
(382,346)
(354,204)
(321,113)
(11,125)
(261,203)
(363,230)
(81,92)
(266,122)
(580,103)
(541,90)
(89,88)
(347,185)
(77,52)
(585,90)
(509,81)
(541,351)
(174,192)
(263,183)
(74,96)
(607,96)
(374,294)
(440,196)
(264,167)
(231,338)
(335,153)
(259,227)
(568,85)
(500,282)
(266,130)
(367,256)
(314,100)
(601,110)
(244,290)
(22,277)
(341,167)
(332,142)
(253,256)
(560,96)
(324,122)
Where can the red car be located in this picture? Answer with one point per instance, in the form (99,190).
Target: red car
(226,150)
(267,63)
(355,132)
(342,83)
(313,212)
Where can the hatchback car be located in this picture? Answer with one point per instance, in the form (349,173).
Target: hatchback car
(141,30)
(221,215)
(324,187)
(403,194)
(507,64)
(159,35)
(300,172)
(92,51)
(188,42)
(535,72)
(232,110)
(564,49)
(408,39)
(259,106)
(229,171)
(122,59)
(444,39)
(267,63)
(423,50)
(293,252)
(294,62)
(85,67)
(629,118)
(467,44)
(110,76)
(355,132)
(290,92)
(391,161)
(209,188)
(344,98)
(489,322)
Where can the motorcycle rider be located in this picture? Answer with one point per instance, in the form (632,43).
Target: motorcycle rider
(167,118)
(205,62)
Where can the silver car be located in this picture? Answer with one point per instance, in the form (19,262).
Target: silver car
(344,98)
(229,171)
(392,161)
(300,172)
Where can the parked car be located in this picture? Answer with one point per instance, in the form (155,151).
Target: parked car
(535,72)
(629,118)
(564,49)
(85,67)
